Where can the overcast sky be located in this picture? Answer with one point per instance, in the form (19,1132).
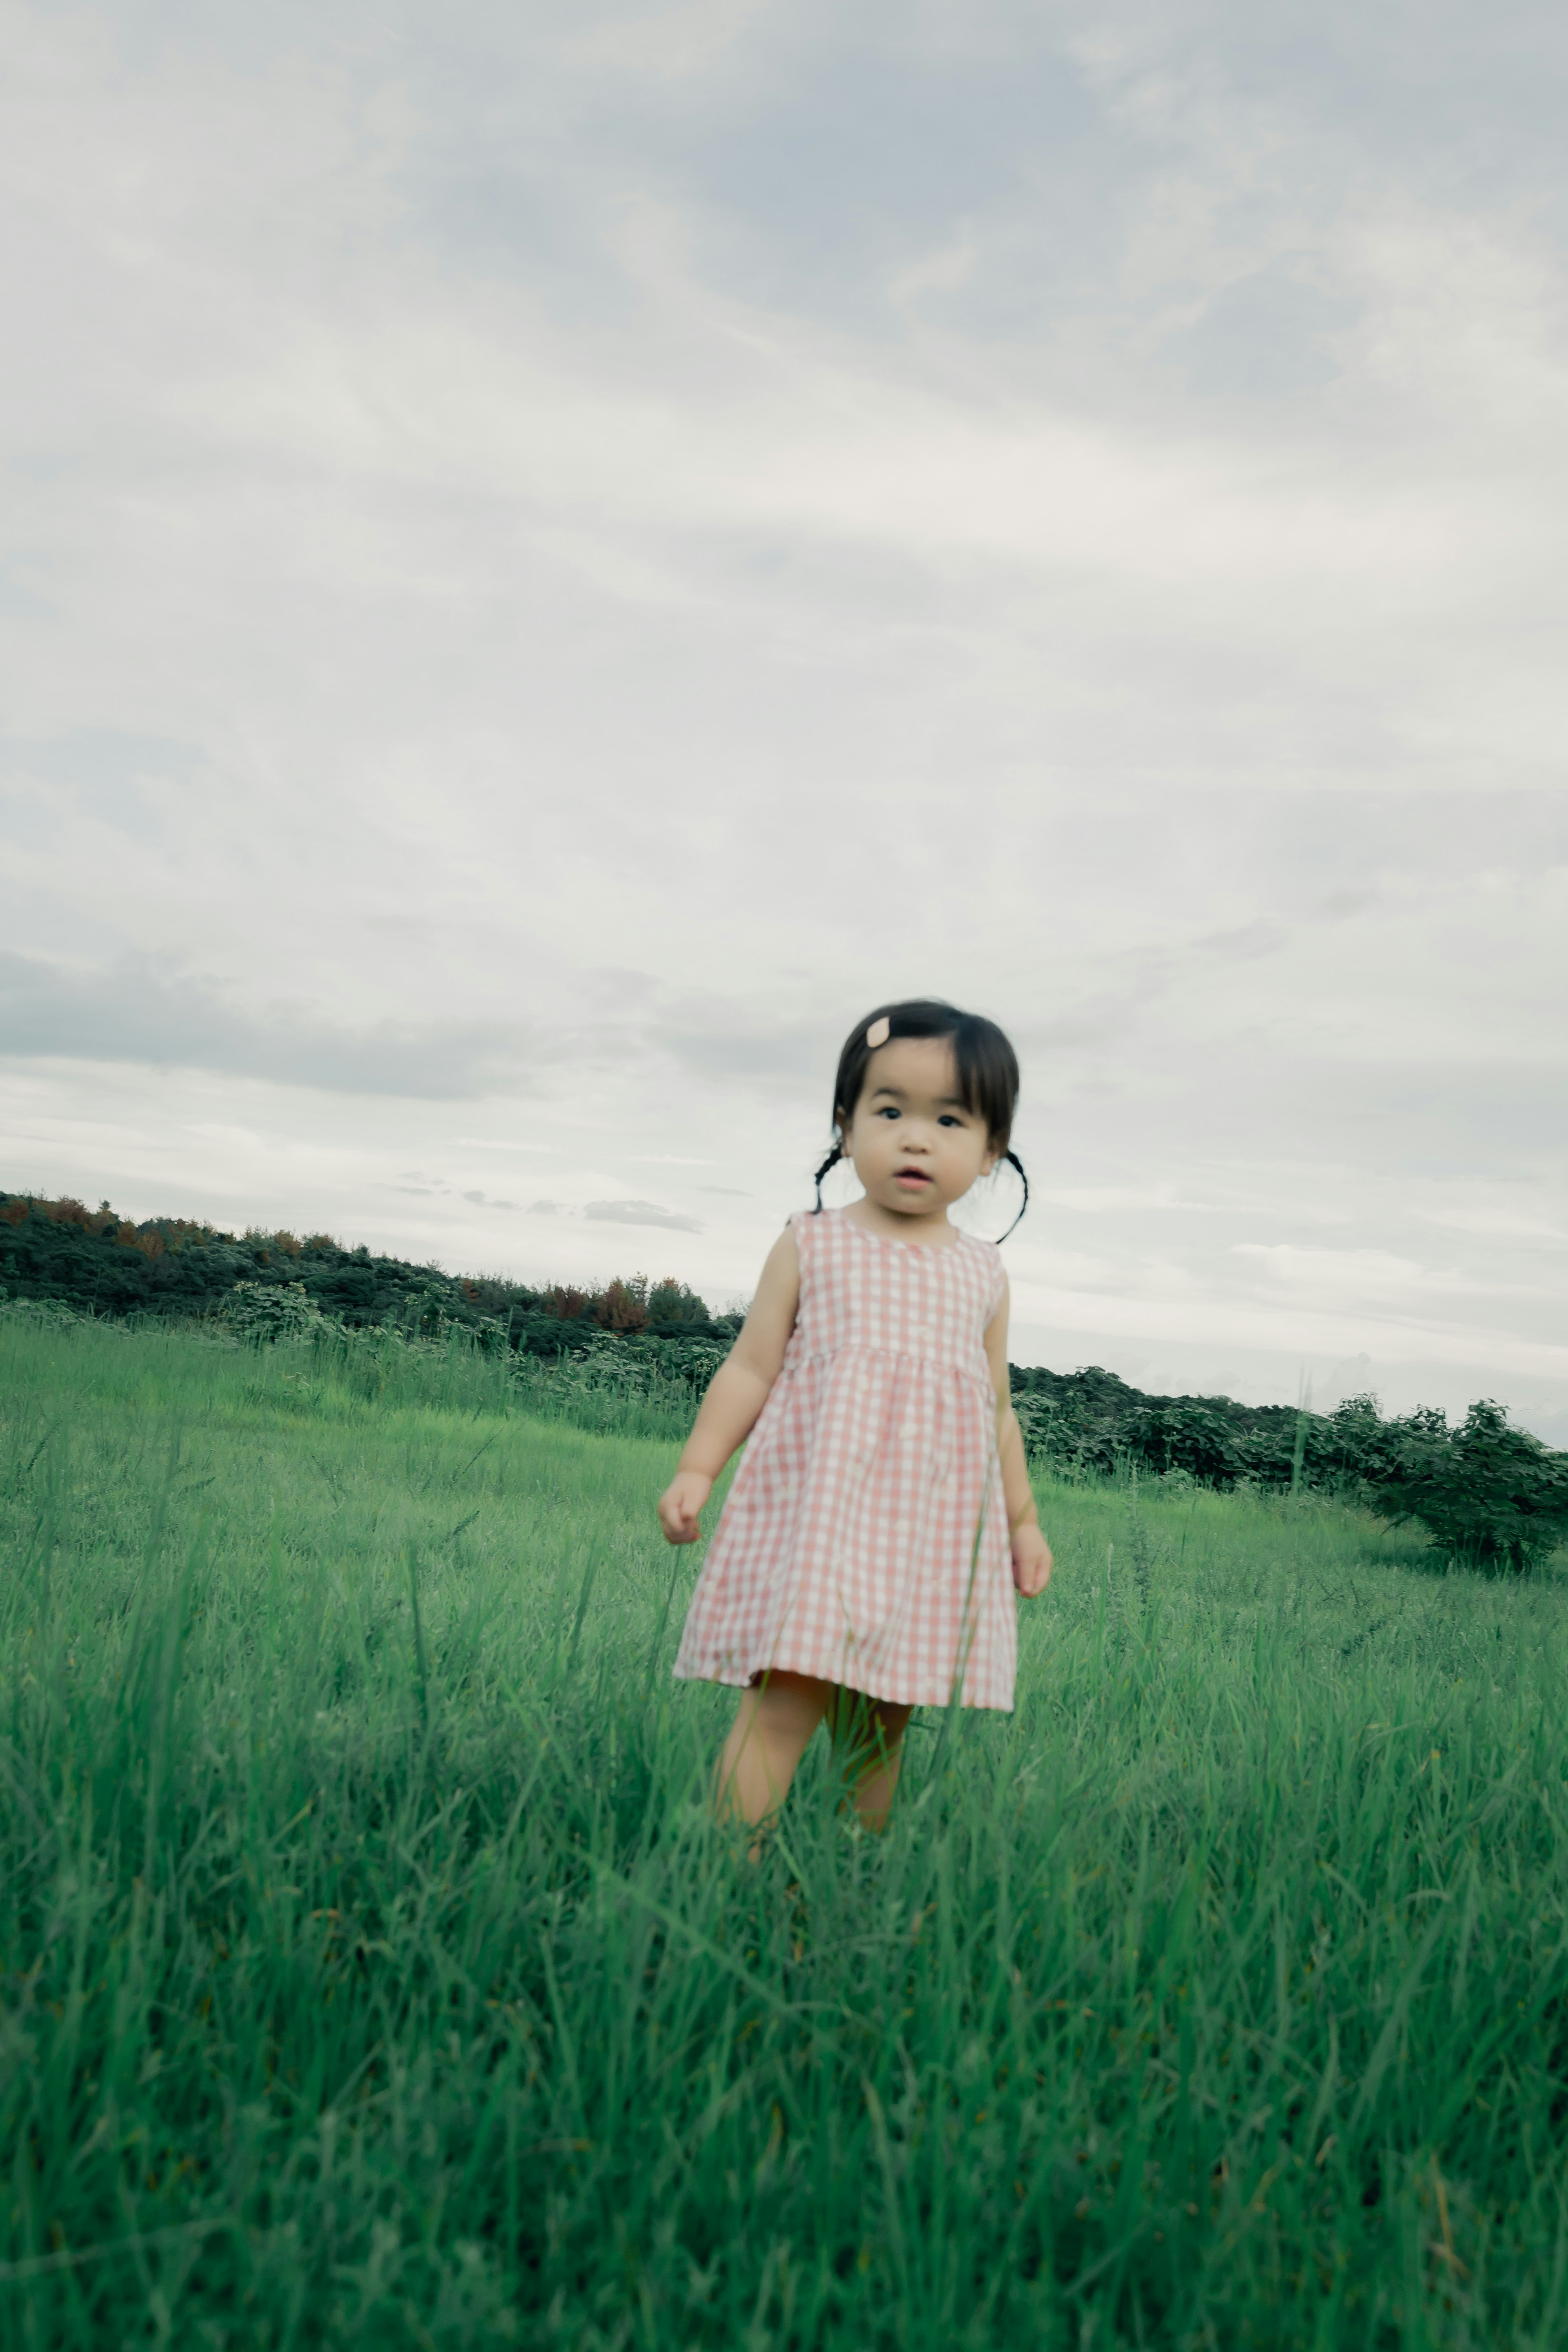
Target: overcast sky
(553,554)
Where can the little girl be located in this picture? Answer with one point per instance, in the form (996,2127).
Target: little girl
(861,1564)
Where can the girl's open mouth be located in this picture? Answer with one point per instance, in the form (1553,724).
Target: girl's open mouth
(910,1176)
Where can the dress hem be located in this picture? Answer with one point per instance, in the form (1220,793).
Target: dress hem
(742,1679)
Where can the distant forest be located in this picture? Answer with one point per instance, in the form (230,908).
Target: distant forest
(1489,1492)
(99,1263)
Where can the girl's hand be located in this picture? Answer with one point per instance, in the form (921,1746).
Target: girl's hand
(681,1501)
(1031,1561)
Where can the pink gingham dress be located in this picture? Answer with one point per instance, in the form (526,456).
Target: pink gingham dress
(865,1536)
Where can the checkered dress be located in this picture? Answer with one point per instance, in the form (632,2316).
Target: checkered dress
(865,1536)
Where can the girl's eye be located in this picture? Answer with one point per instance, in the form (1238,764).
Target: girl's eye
(887,1112)
(949,1120)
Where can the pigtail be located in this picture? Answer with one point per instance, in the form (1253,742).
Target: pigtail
(1014,1162)
(834,1157)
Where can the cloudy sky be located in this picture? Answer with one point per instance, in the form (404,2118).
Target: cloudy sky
(554,553)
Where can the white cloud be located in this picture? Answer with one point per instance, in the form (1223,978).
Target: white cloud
(640,1212)
(551,559)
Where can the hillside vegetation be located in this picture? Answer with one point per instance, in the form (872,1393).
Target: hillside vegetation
(1492,1495)
(375,1976)
(102,1263)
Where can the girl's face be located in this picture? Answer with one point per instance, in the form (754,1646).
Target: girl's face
(915,1147)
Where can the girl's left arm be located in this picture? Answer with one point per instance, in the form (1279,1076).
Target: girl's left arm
(1031,1552)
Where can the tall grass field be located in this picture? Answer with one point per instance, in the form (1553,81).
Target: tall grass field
(376,1974)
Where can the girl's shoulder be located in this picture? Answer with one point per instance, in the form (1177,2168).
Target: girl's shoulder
(987,1259)
(990,1251)
(803,1228)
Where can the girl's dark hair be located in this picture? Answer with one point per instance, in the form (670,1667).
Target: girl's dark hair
(987,1072)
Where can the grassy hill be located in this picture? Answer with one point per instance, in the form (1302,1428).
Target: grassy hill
(375,1975)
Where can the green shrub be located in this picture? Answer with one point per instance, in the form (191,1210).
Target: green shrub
(1489,1496)
(263,1313)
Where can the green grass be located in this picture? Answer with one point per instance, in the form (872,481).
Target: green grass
(374,1974)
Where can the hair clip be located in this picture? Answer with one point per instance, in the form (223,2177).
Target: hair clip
(878,1033)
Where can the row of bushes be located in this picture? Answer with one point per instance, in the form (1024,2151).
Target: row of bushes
(642,1386)
(1489,1494)
(264,1314)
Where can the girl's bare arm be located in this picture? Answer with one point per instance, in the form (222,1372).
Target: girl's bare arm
(1031,1552)
(737,1393)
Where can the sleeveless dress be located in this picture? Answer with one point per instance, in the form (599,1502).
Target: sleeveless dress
(865,1539)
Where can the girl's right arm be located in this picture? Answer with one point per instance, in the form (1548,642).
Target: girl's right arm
(737,1393)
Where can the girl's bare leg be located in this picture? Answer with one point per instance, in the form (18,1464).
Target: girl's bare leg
(869,1735)
(771,1731)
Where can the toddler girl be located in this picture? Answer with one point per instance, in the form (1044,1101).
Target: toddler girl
(866,1558)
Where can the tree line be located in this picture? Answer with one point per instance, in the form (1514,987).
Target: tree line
(102,1263)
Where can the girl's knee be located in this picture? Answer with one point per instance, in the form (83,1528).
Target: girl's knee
(784,1711)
